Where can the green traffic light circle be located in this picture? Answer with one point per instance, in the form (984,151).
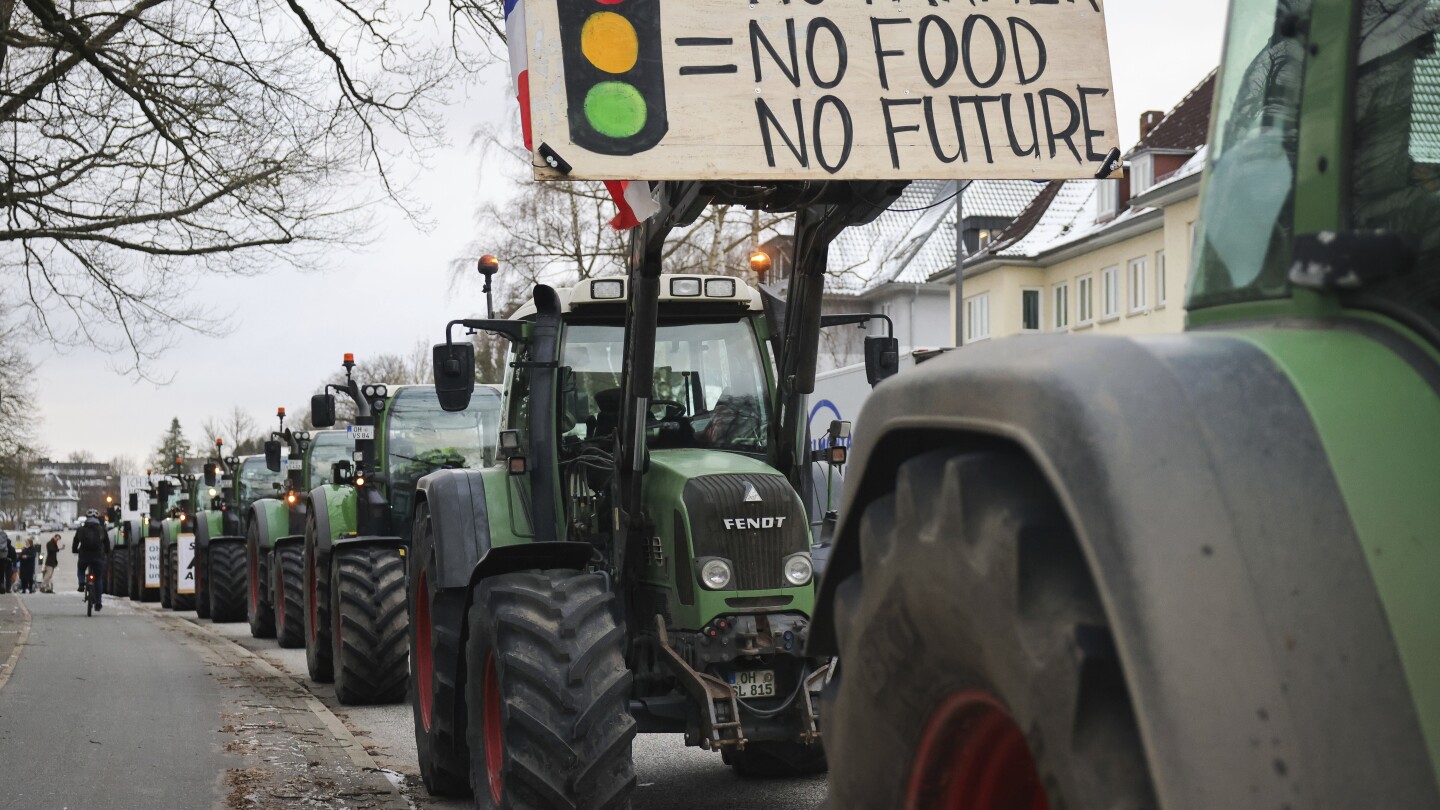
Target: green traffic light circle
(615,109)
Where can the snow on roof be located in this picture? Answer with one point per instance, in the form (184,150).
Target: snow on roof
(916,237)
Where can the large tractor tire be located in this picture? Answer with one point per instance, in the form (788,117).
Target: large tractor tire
(167,565)
(178,601)
(318,660)
(202,582)
(546,694)
(119,573)
(370,639)
(290,595)
(226,581)
(1023,703)
(436,622)
(259,611)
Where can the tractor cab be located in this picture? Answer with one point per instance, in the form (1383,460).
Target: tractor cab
(251,480)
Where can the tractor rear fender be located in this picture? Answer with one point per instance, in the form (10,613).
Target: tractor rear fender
(290,540)
(367,540)
(207,526)
(270,517)
(465,552)
(1216,536)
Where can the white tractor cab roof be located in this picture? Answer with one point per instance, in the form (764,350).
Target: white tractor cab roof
(674,289)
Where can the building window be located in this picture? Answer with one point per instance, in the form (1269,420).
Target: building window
(1109,293)
(1142,174)
(1085,300)
(984,237)
(1137,285)
(1159,279)
(1030,309)
(1107,198)
(1062,306)
(977,318)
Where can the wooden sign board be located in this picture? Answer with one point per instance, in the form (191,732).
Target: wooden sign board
(819,89)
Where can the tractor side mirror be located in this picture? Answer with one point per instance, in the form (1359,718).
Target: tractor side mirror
(210,475)
(882,358)
(322,410)
(134,502)
(157,513)
(272,455)
(454,365)
(166,490)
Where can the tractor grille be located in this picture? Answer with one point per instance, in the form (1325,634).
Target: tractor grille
(757,554)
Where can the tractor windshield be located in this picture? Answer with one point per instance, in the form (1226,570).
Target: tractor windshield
(255,481)
(326,448)
(421,437)
(710,385)
(1395,177)
(1243,247)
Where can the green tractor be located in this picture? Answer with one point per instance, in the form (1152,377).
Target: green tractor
(357,528)
(1182,571)
(177,545)
(233,556)
(209,497)
(144,552)
(641,561)
(275,533)
(117,562)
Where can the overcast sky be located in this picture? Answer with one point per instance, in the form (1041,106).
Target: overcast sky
(398,291)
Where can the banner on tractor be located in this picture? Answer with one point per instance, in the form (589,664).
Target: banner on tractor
(152,562)
(818,90)
(185,562)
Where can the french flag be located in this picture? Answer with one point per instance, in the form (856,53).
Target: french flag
(632,197)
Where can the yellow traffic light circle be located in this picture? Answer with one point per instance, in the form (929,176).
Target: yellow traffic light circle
(609,41)
(615,109)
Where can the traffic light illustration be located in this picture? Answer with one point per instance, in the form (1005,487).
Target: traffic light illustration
(614,76)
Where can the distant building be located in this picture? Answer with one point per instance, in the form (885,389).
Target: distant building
(886,266)
(1096,256)
(57,490)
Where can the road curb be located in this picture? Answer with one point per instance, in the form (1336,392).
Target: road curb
(352,748)
(22,635)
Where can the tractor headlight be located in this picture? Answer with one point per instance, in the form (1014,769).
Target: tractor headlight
(715,573)
(607,289)
(720,287)
(684,287)
(798,569)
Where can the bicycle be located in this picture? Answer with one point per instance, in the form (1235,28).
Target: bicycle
(92,591)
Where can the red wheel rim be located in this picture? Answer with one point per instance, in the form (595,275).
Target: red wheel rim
(494,737)
(424,662)
(973,756)
(310,575)
(280,596)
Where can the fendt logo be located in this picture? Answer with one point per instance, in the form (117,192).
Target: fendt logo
(755,523)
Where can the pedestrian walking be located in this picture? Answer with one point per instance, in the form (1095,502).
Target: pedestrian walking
(5,563)
(27,565)
(52,560)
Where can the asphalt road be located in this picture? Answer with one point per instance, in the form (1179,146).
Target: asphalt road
(670,775)
(132,708)
(107,712)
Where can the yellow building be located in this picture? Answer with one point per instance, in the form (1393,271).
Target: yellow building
(1096,256)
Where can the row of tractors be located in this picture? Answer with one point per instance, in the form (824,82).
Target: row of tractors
(544,570)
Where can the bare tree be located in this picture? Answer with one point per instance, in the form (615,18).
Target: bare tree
(238,430)
(558,233)
(80,457)
(142,141)
(123,465)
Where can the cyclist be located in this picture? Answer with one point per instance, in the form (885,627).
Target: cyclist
(92,543)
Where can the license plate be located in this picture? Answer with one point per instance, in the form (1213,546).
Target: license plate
(753,683)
